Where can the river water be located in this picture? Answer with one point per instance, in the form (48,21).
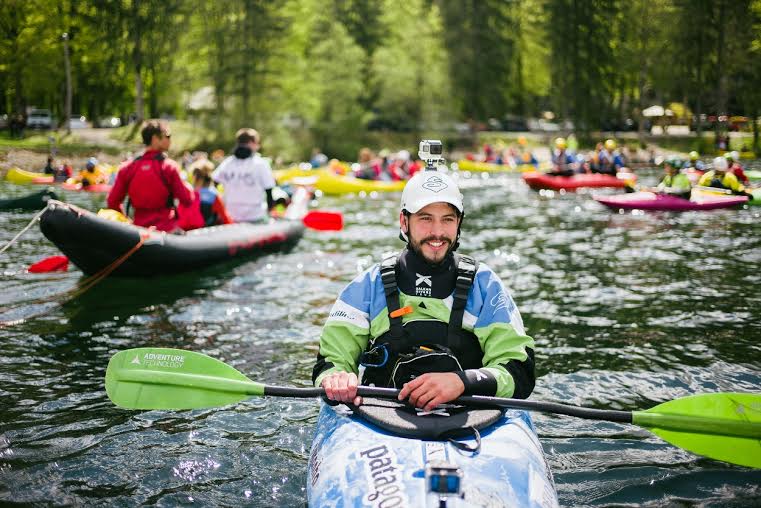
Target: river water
(628,310)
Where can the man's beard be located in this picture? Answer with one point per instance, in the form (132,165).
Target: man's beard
(417,247)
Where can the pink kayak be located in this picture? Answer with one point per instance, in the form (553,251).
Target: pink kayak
(538,181)
(663,202)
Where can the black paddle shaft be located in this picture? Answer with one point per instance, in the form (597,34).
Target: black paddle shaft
(471,400)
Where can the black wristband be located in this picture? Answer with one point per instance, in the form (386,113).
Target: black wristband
(478,382)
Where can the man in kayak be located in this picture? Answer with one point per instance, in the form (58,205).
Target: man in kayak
(721,178)
(212,209)
(91,175)
(152,182)
(694,164)
(434,323)
(563,163)
(674,183)
(733,161)
(247,177)
(610,159)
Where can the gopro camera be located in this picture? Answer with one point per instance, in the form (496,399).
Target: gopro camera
(430,151)
(443,478)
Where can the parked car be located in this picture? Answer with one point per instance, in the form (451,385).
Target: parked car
(39,119)
(514,123)
(78,122)
(110,121)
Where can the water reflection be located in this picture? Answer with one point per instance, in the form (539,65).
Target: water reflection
(628,310)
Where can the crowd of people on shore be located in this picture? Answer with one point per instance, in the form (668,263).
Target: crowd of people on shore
(384,166)
(158,193)
(505,155)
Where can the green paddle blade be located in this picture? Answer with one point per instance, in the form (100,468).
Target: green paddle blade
(163,378)
(722,426)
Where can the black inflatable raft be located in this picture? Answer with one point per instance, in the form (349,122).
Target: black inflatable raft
(92,242)
(34,201)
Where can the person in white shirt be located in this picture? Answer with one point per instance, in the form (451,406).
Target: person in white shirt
(247,178)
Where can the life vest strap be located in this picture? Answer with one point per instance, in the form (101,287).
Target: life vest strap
(466,273)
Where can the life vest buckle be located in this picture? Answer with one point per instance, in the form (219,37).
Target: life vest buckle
(375,357)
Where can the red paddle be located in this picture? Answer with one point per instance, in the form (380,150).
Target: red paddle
(323,220)
(51,264)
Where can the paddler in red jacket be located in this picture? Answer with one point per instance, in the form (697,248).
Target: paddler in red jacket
(152,182)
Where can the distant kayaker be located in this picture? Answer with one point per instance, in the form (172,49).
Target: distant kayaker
(212,208)
(49,167)
(674,183)
(247,178)
(152,182)
(368,166)
(721,178)
(733,161)
(433,323)
(91,174)
(563,163)
(610,160)
(694,164)
(63,172)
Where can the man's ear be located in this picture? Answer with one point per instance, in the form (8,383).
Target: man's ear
(403,225)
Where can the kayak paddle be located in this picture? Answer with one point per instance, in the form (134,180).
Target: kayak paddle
(50,264)
(323,220)
(722,426)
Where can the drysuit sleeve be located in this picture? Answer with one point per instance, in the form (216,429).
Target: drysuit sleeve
(508,353)
(347,330)
(119,191)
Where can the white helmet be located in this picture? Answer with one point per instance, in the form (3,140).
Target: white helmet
(720,164)
(735,155)
(427,187)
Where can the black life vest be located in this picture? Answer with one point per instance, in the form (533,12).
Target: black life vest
(398,344)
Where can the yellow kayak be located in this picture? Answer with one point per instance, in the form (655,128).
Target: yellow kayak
(20,176)
(488,167)
(743,155)
(329,182)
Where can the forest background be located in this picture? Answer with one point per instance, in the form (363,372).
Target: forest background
(333,73)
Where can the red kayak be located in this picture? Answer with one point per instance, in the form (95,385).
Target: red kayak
(538,181)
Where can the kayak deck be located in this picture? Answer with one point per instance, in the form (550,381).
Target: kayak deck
(539,181)
(92,242)
(662,202)
(353,463)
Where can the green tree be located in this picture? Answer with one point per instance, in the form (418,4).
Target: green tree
(335,65)
(411,70)
(582,59)
(479,40)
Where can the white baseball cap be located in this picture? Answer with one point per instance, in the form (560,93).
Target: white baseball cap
(427,187)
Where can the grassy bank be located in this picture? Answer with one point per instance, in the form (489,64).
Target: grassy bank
(64,144)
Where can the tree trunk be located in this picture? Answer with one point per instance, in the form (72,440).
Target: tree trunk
(137,63)
(67,70)
(699,89)
(153,94)
(721,89)
(18,82)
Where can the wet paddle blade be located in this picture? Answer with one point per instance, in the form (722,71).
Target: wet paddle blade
(323,220)
(163,378)
(722,426)
(51,264)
